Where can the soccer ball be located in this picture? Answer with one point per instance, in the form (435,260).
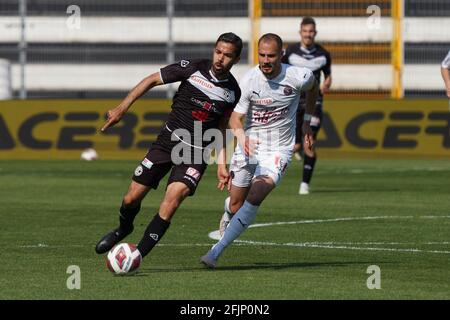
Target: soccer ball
(89,154)
(124,259)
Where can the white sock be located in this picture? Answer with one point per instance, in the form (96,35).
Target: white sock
(227,206)
(241,220)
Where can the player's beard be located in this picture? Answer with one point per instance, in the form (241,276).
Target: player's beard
(268,70)
(219,70)
(308,42)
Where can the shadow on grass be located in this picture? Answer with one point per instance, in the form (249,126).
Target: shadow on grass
(338,190)
(256,266)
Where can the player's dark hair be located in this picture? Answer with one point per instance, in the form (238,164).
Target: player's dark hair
(232,38)
(308,20)
(272,37)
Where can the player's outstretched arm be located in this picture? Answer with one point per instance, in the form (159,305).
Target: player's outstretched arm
(222,171)
(326,84)
(446,76)
(311,98)
(114,115)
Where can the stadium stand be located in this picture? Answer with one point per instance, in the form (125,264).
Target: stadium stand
(121,42)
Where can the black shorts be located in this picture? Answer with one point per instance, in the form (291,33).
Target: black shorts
(157,164)
(315,126)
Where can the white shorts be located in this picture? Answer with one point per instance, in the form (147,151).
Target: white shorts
(270,163)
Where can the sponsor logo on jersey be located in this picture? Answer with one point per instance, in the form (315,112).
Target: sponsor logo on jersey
(138,171)
(147,163)
(216,93)
(184,63)
(266,116)
(202,82)
(194,173)
(205,105)
(262,102)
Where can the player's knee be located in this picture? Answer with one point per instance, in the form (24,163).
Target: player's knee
(171,203)
(174,196)
(131,201)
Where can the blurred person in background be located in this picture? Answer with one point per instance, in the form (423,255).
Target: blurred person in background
(309,54)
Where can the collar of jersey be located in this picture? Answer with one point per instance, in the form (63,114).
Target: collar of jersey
(308,51)
(283,67)
(214,79)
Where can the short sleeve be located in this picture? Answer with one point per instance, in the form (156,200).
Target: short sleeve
(178,71)
(305,78)
(245,94)
(446,62)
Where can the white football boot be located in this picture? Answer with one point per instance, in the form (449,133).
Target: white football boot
(304,189)
(224,222)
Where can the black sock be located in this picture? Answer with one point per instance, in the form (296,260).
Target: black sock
(127,215)
(154,232)
(308,168)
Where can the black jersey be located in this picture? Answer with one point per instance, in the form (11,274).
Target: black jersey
(316,59)
(200,97)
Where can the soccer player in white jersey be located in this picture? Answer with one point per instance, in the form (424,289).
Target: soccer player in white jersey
(445,71)
(270,96)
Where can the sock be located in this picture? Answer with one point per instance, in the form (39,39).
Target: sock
(241,220)
(308,168)
(127,215)
(227,206)
(154,232)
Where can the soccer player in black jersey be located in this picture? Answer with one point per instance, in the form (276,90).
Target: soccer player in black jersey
(313,56)
(207,95)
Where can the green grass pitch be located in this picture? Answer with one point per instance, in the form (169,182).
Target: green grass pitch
(391,213)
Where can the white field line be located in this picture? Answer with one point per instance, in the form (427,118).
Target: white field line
(310,245)
(258,225)
(344,245)
(325,245)
(394,170)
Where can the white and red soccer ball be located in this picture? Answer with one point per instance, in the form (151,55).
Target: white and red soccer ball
(124,259)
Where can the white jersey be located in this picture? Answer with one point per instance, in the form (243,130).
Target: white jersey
(446,62)
(270,105)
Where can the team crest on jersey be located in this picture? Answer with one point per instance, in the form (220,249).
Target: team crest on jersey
(184,63)
(287,91)
(228,95)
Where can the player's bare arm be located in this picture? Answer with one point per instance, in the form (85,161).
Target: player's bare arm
(114,115)
(326,85)
(247,144)
(446,76)
(222,171)
(311,98)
